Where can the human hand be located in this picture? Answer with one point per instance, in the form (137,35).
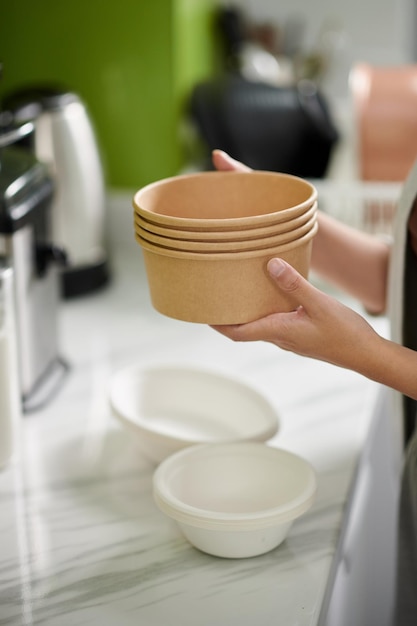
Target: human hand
(320,327)
(224,163)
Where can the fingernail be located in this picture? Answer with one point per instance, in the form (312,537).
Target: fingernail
(276,267)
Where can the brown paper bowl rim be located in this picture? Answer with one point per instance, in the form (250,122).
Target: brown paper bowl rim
(227,222)
(221,256)
(233,246)
(246,234)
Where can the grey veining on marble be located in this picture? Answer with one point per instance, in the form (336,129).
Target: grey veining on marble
(81,540)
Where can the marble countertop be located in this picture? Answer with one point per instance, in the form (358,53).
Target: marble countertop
(81,541)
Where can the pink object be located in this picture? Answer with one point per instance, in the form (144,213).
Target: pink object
(385,106)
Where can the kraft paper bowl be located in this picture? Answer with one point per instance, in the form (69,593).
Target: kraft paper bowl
(224,200)
(234,500)
(226,246)
(221,288)
(245,234)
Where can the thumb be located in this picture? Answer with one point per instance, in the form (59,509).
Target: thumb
(290,281)
(224,162)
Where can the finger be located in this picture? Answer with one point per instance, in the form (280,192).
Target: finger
(272,327)
(224,162)
(276,326)
(289,281)
(251,331)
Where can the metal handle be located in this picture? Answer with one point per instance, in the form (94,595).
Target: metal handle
(16,134)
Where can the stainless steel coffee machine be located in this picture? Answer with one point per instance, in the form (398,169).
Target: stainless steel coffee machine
(26,193)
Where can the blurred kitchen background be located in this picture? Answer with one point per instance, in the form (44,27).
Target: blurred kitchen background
(135,65)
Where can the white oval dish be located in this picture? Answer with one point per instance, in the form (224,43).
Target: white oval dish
(170,408)
(234,500)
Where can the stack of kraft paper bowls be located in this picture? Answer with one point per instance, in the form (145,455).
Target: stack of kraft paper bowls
(207,238)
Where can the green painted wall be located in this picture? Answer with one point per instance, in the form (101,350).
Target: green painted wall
(132,61)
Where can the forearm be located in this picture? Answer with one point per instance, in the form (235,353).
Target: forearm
(352,260)
(389,363)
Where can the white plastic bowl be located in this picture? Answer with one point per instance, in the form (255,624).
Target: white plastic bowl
(234,500)
(169,408)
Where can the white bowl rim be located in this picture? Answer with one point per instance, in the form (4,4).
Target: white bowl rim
(271,417)
(212,520)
